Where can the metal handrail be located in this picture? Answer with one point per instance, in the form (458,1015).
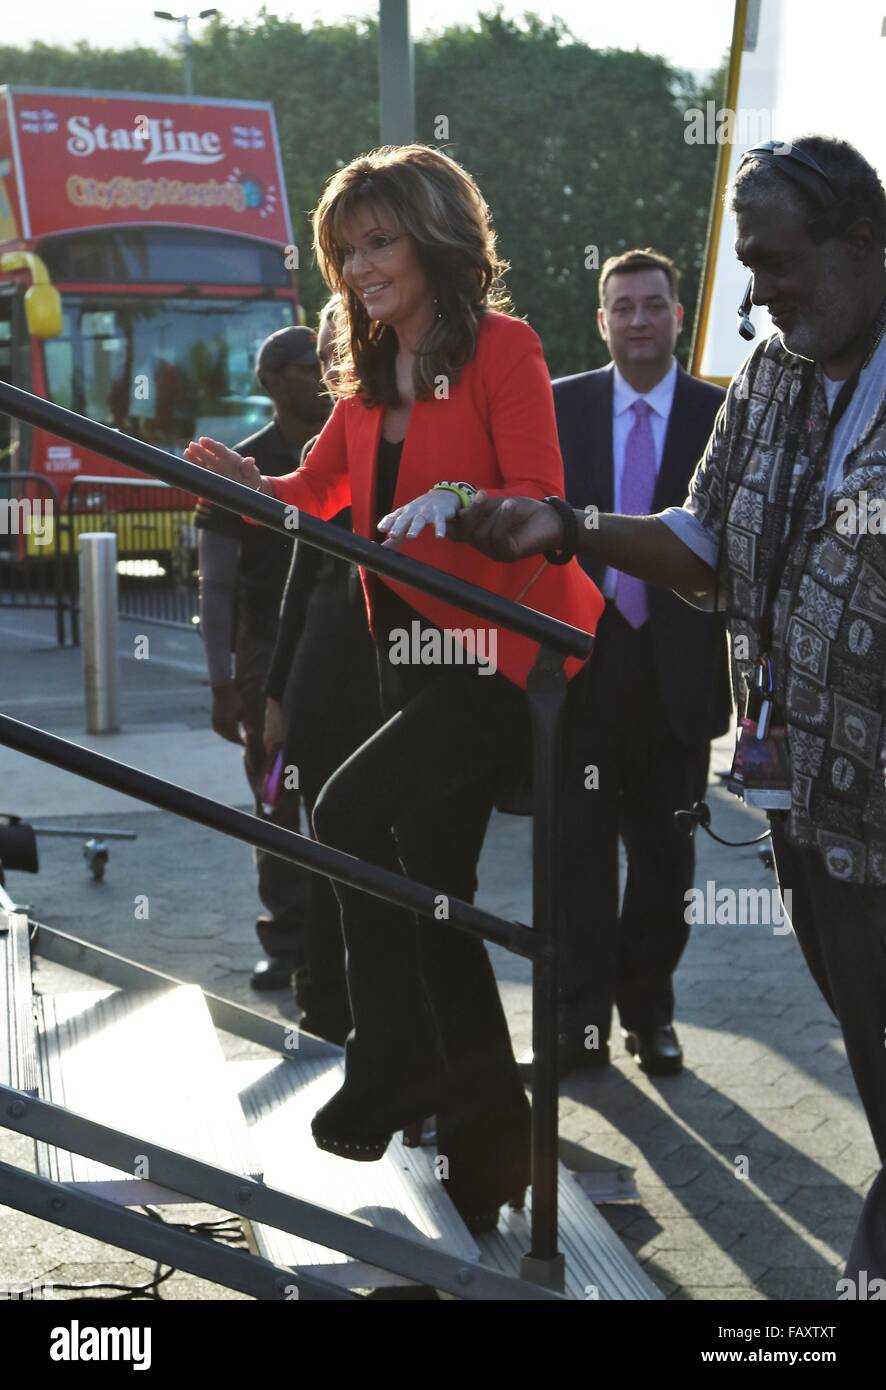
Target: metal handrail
(285,844)
(135,453)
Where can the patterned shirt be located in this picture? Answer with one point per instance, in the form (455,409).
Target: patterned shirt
(828,634)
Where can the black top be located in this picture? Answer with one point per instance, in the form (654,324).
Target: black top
(390,610)
(388,468)
(264,555)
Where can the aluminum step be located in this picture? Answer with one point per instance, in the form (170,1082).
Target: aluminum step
(402,1194)
(18,1041)
(148,1062)
(398,1194)
(598,1265)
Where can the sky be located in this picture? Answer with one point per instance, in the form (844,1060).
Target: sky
(691,33)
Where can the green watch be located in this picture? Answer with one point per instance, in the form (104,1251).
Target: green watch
(464,491)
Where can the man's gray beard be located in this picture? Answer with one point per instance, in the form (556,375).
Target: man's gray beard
(802,343)
(824,336)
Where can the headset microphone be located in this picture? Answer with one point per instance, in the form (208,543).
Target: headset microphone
(745,327)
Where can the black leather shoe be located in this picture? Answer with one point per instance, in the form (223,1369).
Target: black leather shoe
(274,973)
(569,1058)
(329,1027)
(658,1051)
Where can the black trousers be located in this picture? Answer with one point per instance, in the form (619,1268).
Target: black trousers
(330,707)
(417,797)
(841,930)
(282,887)
(625,774)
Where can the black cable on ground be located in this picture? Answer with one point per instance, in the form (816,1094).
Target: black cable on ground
(227,1231)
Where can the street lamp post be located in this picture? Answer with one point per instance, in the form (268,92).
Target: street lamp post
(183,20)
(396,73)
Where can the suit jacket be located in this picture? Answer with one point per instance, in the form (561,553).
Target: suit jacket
(690,646)
(496,429)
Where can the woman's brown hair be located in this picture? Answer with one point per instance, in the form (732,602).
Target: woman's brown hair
(432,199)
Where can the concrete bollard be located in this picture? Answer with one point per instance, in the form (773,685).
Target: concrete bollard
(100,637)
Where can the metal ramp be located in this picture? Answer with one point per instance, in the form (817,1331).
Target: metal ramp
(146,1061)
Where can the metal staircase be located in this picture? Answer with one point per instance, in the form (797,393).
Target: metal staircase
(125,1090)
(108,1079)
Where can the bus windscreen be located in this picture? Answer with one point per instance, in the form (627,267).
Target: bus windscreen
(164,371)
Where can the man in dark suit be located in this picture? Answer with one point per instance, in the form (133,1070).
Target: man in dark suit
(641,716)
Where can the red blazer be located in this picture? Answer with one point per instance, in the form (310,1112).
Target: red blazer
(497,430)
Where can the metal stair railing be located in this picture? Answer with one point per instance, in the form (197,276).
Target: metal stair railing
(160,1241)
(546,692)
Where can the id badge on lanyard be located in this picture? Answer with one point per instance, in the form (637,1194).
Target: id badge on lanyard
(761,769)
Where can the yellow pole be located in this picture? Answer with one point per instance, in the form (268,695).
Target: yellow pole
(715,222)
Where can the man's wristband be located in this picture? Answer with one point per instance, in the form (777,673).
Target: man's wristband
(465,492)
(566,551)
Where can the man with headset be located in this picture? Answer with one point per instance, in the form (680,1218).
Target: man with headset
(782,529)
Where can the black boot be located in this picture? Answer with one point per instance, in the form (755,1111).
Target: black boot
(360,1123)
(384,1091)
(486,1140)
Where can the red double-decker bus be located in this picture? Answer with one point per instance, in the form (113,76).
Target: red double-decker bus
(145,252)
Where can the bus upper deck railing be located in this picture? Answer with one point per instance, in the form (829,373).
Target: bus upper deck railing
(24,583)
(546,689)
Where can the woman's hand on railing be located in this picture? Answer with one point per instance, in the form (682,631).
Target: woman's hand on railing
(435,508)
(508,528)
(209,453)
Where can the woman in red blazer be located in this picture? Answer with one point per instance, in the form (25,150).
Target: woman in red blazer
(436,383)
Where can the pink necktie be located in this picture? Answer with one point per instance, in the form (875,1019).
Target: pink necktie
(637,489)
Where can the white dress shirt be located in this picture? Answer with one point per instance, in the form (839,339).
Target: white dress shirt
(659,399)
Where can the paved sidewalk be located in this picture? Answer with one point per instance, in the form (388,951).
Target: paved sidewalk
(751,1166)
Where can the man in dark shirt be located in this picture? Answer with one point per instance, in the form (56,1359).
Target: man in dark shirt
(243,571)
